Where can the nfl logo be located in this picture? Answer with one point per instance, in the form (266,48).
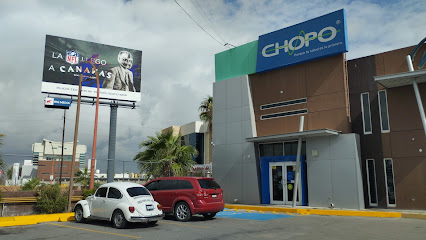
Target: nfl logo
(72,57)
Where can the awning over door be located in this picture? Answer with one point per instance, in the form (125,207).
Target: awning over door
(295,135)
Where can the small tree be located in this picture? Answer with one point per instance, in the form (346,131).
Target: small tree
(83,177)
(164,156)
(30,185)
(51,199)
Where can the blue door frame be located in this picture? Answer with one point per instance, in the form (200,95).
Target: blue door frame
(264,168)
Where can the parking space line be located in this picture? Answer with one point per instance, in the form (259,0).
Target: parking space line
(182,224)
(90,230)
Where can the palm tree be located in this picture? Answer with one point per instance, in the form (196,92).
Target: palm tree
(165,156)
(83,177)
(206,115)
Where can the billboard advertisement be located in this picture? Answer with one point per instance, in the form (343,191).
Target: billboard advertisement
(57,103)
(317,38)
(65,59)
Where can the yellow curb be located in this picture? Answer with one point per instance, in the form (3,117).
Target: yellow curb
(6,219)
(414,215)
(34,219)
(335,212)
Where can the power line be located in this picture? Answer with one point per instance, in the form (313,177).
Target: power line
(202,13)
(223,44)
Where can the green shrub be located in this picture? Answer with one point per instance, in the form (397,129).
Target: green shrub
(88,192)
(51,199)
(30,185)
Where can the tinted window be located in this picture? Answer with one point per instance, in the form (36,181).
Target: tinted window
(114,193)
(167,185)
(208,184)
(101,192)
(137,191)
(152,186)
(183,184)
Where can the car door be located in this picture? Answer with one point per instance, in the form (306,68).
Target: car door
(163,193)
(98,202)
(113,198)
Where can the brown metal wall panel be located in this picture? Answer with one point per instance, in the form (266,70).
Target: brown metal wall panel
(326,102)
(410,182)
(320,81)
(325,76)
(386,145)
(279,125)
(333,119)
(408,144)
(403,110)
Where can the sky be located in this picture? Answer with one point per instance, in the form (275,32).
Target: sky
(177,58)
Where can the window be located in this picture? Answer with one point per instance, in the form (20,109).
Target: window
(208,184)
(366,114)
(183,184)
(284,114)
(271,149)
(167,185)
(390,184)
(152,186)
(290,148)
(371,179)
(197,141)
(137,191)
(282,104)
(101,192)
(114,193)
(383,108)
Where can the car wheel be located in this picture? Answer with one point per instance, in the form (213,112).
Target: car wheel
(78,214)
(182,212)
(209,216)
(118,219)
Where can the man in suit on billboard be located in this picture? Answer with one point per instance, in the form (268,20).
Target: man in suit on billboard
(121,78)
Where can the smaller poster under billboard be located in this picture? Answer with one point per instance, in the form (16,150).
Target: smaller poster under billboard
(65,59)
(317,38)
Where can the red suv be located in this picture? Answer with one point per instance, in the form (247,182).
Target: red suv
(186,196)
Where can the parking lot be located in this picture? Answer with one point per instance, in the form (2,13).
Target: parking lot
(231,224)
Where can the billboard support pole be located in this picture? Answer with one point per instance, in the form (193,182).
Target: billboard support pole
(74,148)
(111,144)
(95,132)
(62,155)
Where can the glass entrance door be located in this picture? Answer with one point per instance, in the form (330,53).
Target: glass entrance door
(281,183)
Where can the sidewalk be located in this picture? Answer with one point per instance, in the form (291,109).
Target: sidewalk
(389,213)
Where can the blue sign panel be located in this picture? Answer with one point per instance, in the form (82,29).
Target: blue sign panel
(57,103)
(317,38)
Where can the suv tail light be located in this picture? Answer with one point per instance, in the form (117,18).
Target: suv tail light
(202,194)
(131,209)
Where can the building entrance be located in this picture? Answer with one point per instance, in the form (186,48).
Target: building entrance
(281,183)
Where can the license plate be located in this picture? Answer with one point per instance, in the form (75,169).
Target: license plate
(149,207)
(214,196)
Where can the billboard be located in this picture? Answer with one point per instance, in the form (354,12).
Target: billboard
(119,69)
(57,103)
(317,38)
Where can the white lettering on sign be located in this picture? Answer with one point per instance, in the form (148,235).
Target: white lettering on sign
(297,42)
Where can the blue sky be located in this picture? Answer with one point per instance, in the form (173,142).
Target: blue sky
(178,56)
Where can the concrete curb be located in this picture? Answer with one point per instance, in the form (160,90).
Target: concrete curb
(332,212)
(35,219)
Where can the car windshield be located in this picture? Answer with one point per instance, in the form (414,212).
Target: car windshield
(137,191)
(208,184)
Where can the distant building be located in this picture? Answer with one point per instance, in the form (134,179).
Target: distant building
(195,134)
(47,156)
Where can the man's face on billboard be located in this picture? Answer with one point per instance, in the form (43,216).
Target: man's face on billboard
(125,59)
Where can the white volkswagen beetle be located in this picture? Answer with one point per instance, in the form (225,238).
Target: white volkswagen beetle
(120,203)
